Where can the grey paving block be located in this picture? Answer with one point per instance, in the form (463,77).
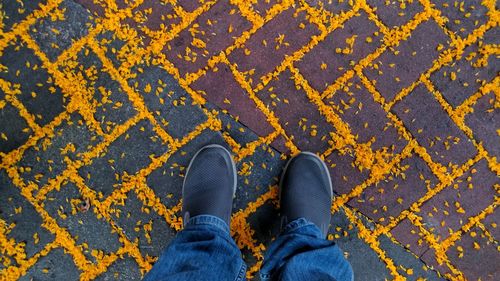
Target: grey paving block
(57,265)
(22,218)
(71,212)
(54,35)
(126,155)
(49,156)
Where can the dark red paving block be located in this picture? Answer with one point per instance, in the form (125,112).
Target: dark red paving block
(190,5)
(280,144)
(220,88)
(266,49)
(333,6)
(400,66)
(466,197)
(429,258)
(391,196)
(463,77)
(476,256)
(326,62)
(154,15)
(433,128)
(299,117)
(410,237)
(208,35)
(395,13)
(97,9)
(463,16)
(484,123)
(366,118)
(261,7)
(345,174)
(491,222)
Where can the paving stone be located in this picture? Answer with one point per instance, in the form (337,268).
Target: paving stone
(232,98)
(125,269)
(262,7)
(283,35)
(265,221)
(463,17)
(387,199)
(463,78)
(410,237)
(14,130)
(482,121)
(490,36)
(67,206)
(340,51)
(96,9)
(138,222)
(125,156)
(407,264)
(149,18)
(57,265)
(333,6)
(429,258)
(50,155)
(117,49)
(15,12)
(345,174)
(491,224)
(398,67)
(154,16)
(433,128)
(167,180)
(22,220)
(167,100)
(237,131)
(54,35)
(207,35)
(299,117)
(190,5)
(210,34)
(365,263)
(256,173)
(466,197)
(112,104)
(366,118)
(472,248)
(395,13)
(38,92)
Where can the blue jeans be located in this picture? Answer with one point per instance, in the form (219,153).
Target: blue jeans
(204,250)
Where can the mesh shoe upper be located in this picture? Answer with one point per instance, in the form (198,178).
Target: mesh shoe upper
(306,191)
(210,183)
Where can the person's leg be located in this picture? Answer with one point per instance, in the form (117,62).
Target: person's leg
(301,252)
(204,250)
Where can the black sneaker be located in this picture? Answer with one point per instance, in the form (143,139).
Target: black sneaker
(306,191)
(210,184)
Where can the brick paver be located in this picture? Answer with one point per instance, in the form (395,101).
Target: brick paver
(103,104)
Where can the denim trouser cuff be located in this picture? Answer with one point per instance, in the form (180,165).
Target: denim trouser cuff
(296,224)
(208,220)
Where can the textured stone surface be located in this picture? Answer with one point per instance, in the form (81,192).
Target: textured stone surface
(433,128)
(397,68)
(104,103)
(340,51)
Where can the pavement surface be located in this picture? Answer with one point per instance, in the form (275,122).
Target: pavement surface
(103,103)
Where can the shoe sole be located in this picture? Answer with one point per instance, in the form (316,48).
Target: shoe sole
(315,156)
(233,166)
